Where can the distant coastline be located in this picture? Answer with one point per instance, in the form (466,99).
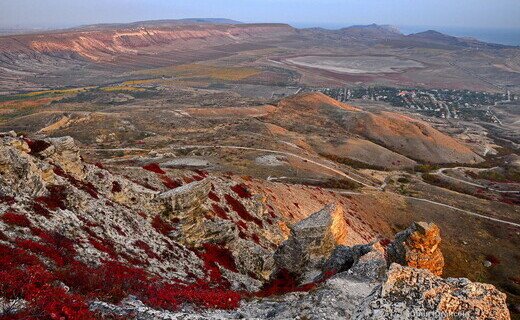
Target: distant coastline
(492,35)
(501,36)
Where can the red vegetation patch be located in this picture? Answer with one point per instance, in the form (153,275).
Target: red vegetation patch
(39,248)
(112,281)
(213,256)
(81,185)
(197,178)
(385,242)
(146,248)
(37,146)
(242,225)
(255,239)
(16,219)
(171,297)
(494,260)
(170,183)
(116,187)
(7,199)
(239,208)
(40,210)
(104,246)
(56,198)
(162,226)
(242,191)
(213,196)
(188,180)
(24,277)
(283,282)
(154,167)
(219,211)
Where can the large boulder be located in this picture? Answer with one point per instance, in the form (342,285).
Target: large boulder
(418,247)
(312,240)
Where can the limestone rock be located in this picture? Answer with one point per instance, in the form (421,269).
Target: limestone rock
(418,247)
(188,197)
(323,231)
(410,293)
(312,239)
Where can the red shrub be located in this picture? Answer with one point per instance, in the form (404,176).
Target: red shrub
(39,248)
(385,242)
(171,297)
(242,191)
(494,260)
(11,258)
(104,246)
(81,185)
(39,209)
(15,219)
(242,225)
(239,208)
(255,239)
(112,281)
(119,230)
(188,179)
(170,183)
(116,187)
(217,254)
(57,241)
(146,248)
(162,226)
(213,196)
(154,167)
(219,211)
(7,199)
(56,198)
(37,146)
(283,282)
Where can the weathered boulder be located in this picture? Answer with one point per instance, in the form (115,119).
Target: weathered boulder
(410,293)
(252,259)
(418,247)
(187,198)
(312,239)
(64,153)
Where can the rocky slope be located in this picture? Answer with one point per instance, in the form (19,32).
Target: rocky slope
(400,138)
(78,241)
(100,44)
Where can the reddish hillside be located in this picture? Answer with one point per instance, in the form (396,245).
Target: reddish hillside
(316,114)
(104,44)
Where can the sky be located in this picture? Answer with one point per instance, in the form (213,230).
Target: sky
(499,14)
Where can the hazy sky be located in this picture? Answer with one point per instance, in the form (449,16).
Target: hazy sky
(458,13)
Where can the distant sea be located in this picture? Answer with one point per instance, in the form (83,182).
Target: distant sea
(501,36)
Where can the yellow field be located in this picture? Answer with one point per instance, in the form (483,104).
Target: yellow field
(204,71)
(54,92)
(121,88)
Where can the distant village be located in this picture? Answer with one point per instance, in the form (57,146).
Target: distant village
(442,103)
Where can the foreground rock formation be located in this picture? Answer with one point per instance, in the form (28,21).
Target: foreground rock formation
(79,241)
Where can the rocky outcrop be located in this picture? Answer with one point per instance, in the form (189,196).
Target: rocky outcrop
(312,239)
(410,293)
(214,234)
(418,247)
(189,197)
(405,294)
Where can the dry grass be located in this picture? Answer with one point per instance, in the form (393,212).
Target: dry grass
(121,88)
(205,71)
